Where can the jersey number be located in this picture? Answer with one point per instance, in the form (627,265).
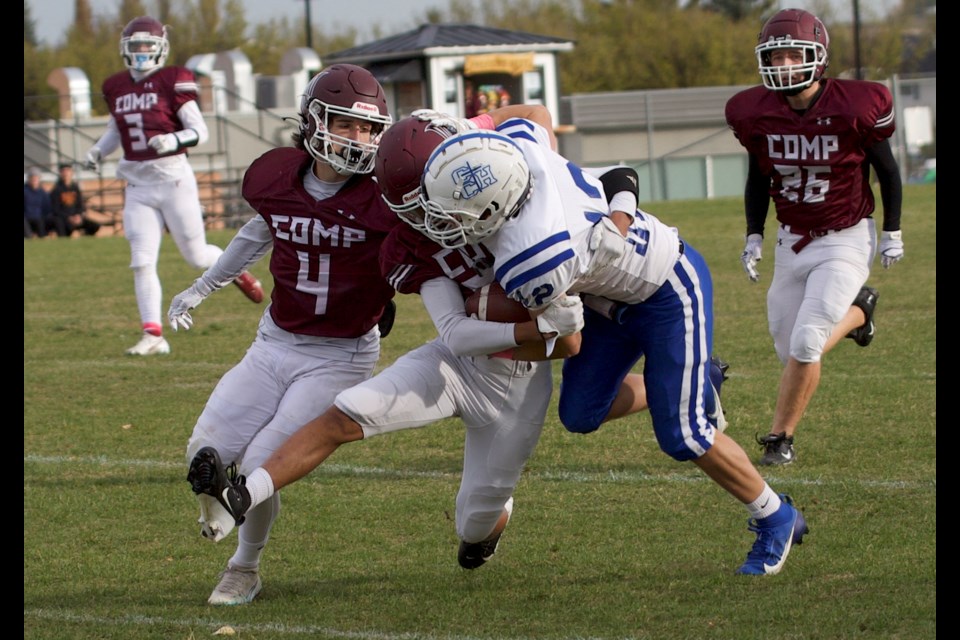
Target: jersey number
(803,184)
(138,140)
(319,287)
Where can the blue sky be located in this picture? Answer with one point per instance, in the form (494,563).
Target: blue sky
(52,17)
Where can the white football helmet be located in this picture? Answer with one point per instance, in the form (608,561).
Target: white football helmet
(404,150)
(473,183)
(144,45)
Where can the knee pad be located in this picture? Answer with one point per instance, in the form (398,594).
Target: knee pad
(806,343)
(143,264)
(575,420)
(202,257)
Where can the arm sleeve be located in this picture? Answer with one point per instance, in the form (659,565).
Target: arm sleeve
(756,197)
(880,157)
(194,130)
(483,121)
(465,336)
(110,140)
(620,185)
(251,243)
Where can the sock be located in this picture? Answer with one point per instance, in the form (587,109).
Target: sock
(766,504)
(254,533)
(153,328)
(260,486)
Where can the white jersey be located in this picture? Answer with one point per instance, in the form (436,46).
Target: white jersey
(544,251)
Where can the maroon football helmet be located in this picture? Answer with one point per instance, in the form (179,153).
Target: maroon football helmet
(401,156)
(793,29)
(144,45)
(343,90)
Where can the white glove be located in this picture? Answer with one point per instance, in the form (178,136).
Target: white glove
(752,254)
(183,302)
(563,317)
(92,160)
(606,242)
(164,143)
(891,248)
(440,119)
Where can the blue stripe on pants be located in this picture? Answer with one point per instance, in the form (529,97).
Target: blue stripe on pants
(673,332)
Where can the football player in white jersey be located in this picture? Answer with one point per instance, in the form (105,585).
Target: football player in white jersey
(501,398)
(537,213)
(155,119)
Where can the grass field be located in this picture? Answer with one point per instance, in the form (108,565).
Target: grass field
(609,539)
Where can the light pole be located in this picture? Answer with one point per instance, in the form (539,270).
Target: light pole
(309,27)
(856,39)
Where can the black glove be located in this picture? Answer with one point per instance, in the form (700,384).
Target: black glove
(386,320)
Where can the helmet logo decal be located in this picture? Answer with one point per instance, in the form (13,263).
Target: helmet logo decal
(366,107)
(473,180)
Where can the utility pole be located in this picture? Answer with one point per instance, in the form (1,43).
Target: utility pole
(309,26)
(856,39)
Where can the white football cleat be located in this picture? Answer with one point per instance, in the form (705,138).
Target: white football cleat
(237,586)
(216,523)
(149,345)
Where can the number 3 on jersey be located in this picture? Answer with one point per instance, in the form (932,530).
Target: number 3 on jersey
(138,140)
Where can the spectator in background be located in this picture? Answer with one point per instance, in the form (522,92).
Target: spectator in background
(37,211)
(68,206)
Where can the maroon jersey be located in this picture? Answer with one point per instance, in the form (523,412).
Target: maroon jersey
(409,259)
(819,176)
(325,259)
(146,108)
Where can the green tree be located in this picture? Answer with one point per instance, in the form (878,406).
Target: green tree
(39,103)
(736,10)
(29,25)
(620,44)
(269,42)
(130,9)
(82,19)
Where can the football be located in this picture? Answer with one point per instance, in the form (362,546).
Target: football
(490,302)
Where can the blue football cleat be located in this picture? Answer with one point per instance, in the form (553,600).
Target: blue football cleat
(775,536)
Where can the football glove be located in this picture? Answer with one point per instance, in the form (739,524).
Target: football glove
(385,324)
(92,160)
(891,248)
(752,254)
(606,242)
(164,143)
(440,119)
(184,302)
(562,317)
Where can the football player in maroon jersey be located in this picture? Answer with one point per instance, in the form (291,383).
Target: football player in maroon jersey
(320,211)
(811,142)
(155,118)
(502,398)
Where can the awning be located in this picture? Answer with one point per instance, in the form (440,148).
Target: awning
(511,63)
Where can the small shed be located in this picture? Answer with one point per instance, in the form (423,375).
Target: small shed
(462,69)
